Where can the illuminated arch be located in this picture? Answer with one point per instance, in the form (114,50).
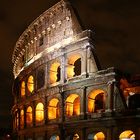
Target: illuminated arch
(73,105)
(23,88)
(39,115)
(30,83)
(29,116)
(16,119)
(55,72)
(97,136)
(74,66)
(22,119)
(55,137)
(53,109)
(96,101)
(76,137)
(128,134)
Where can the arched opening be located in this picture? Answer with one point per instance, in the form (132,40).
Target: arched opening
(76,137)
(73,137)
(41,41)
(97,136)
(16,87)
(30,83)
(22,119)
(74,66)
(127,135)
(39,115)
(77,67)
(134,101)
(40,78)
(53,109)
(55,137)
(16,119)
(55,72)
(73,105)
(58,74)
(29,116)
(22,89)
(96,101)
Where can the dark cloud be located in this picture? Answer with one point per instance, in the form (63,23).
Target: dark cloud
(116,26)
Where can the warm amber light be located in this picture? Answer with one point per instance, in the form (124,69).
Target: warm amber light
(91,105)
(23,88)
(70,67)
(76,137)
(30,83)
(70,71)
(57,138)
(73,105)
(17,120)
(39,112)
(29,115)
(99,136)
(73,58)
(22,118)
(54,73)
(95,103)
(127,135)
(53,109)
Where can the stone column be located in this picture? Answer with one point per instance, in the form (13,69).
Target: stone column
(62,105)
(35,39)
(33,114)
(25,124)
(46,111)
(83,103)
(84,61)
(109,97)
(91,63)
(18,119)
(24,109)
(63,68)
(110,133)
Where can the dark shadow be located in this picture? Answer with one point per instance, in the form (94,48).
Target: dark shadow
(99,103)
(58,74)
(134,101)
(77,67)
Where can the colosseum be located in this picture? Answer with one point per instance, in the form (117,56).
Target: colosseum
(61,93)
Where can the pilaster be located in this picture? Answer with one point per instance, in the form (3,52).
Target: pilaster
(109,98)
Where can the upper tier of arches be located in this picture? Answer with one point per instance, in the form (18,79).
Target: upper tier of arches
(53,29)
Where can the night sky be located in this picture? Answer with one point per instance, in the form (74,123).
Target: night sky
(117,36)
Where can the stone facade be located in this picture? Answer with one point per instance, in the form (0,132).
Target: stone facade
(60,91)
